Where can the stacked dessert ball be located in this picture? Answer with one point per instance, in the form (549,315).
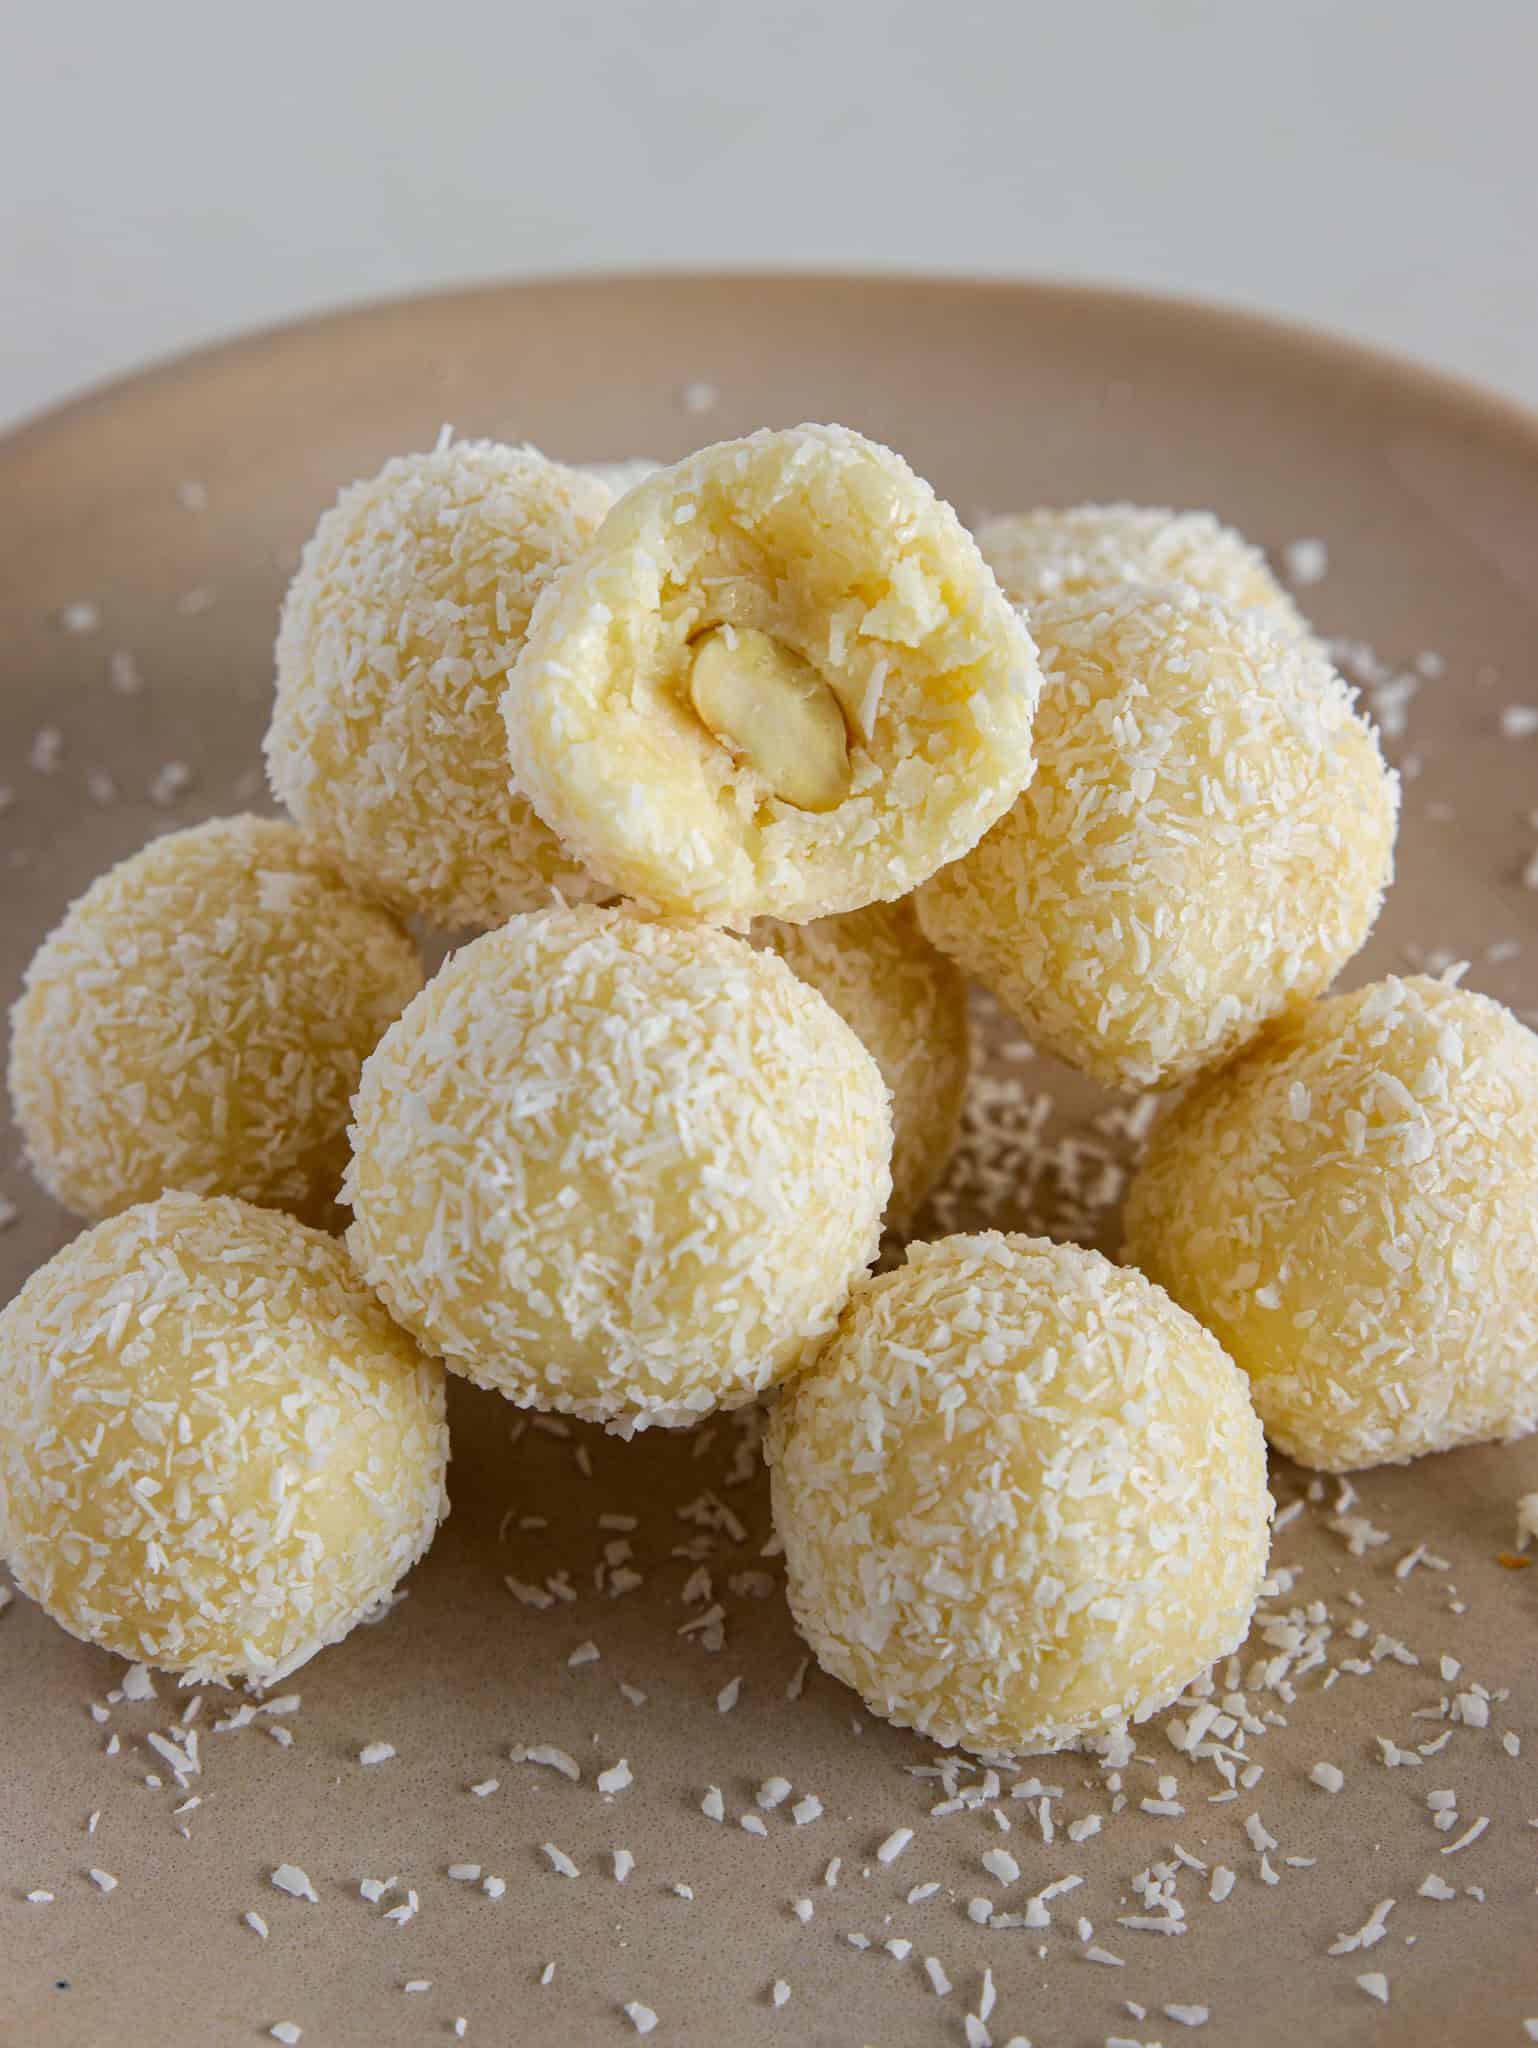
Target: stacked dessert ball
(740,767)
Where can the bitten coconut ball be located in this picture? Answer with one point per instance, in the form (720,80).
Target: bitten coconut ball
(620,1169)
(1352,1208)
(217,1452)
(1038,556)
(1022,1496)
(411,602)
(1207,838)
(907,1005)
(199,1020)
(781,682)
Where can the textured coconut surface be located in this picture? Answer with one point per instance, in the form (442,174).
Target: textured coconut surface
(595,1668)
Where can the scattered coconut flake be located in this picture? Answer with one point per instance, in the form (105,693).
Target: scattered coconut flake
(894,1845)
(641,2017)
(808,1808)
(39,1898)
(1470,1834)
(465,1873)
(934,1970)
(713,1806)
(286,2032)
(288,1877)
(494,1887)
(376,1752)
(1223,1882)
(551,1758)
(1187,2015)
(779,1993)
(1375,1984)
(584,1653)
(1368,1934)
(772,1793)
(486,1787)
(728,1696)
(559,1860)
(1328,1777)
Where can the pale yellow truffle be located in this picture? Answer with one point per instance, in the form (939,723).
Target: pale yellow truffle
(781,682)
(1352,1207)
(1044,554)
(1022,1496)
(907,1004)
(622,1169)
(1208,837)
(410,604)
(199,1020)
(217,1452)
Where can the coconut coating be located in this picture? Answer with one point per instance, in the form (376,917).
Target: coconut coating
(409,606)
(907,1005)
(1044,554)
(1352,1207)
(620,1169)
(1022,1495)
(844,569)
(199,1020)
(217,1452)
(1208,837)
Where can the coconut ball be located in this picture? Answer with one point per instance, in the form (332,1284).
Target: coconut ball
(907,1005)
(411,602)
(1022,1495)
(781,682)
(1352,1208)
(1207,838)
(217,1452)
(620,1169)
(199,1020)
(1042,555)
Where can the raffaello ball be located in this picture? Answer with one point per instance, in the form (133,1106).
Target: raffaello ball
(1208,838)
(410,606)
(1352,1208)
(199,1020)
(907,1004)
(1022,1496)
(622,1169)
(781,682)
(217,1452)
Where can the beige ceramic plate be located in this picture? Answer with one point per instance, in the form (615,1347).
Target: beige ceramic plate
(1427,496)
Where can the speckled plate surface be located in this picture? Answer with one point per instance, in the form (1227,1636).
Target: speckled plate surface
(147,535)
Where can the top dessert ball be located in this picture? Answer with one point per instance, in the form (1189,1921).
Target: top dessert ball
(781,682)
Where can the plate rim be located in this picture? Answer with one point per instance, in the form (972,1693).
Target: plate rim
(1497,411)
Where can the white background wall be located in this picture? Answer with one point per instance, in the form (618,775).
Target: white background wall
(170,172)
